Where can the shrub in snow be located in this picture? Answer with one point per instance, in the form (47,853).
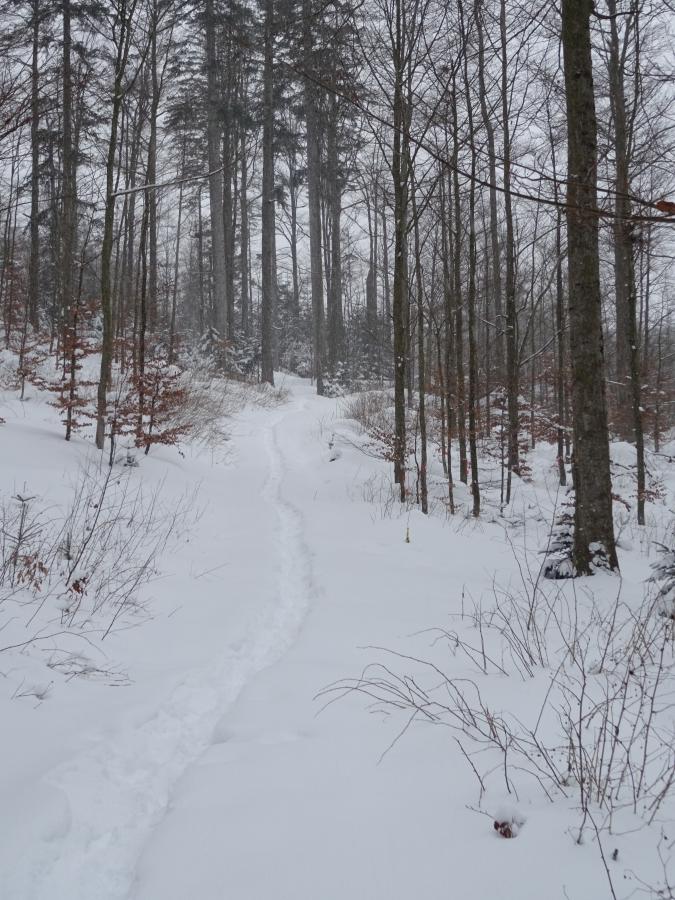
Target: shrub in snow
(603,728)
(83,567)
(558,563)
(664,578)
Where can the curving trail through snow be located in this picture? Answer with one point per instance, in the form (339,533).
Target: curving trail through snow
(293,562)
(105,802)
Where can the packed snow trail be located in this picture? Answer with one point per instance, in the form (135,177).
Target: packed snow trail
(288,805)
(105,802)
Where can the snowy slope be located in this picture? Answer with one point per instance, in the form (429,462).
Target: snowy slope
(216,772)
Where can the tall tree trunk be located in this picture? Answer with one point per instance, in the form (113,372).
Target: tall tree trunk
(560,347)
(386,287)
(457,301)
(69,213)
(336,332)
(176,264)
(314,194)
(623,246)
(399,173)
(627,342)
(34,264)
(200,264)
(293,179)
(512,362)
(372,337)
(228,215)
(559,320)
(213,132)
(421,386)
(268,300)
(244,238)
(495,255)
(471,294)
(593,523)
(446,244)
(122,55)
(151,196)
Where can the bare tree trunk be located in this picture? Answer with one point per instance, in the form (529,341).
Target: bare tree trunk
(336,330)
(34,264)
(122,55)
(150,196)
(593,524)
(371,283)
(200,264)
(314,195)
(244,237)
(293,201)
(560,344)
(176,263)
(68,215)
(471,294)
(386,312)
(213,129)
(268,301)
(228,214)
(457,302)
(495,255)
(449,335)
(424,493)
(399,173)
(627,343)
(512,361)
(623,251)
(559,321)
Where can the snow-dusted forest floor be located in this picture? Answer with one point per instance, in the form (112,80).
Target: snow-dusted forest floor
(169,744)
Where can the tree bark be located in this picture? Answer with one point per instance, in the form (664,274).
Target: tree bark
(593,524)
(511,324)
(495,254)
(627,342)
(122,55)
(336,329)
(34,263)
(213,134)
(68,214)
(314,195)
(268,300)
(399,173)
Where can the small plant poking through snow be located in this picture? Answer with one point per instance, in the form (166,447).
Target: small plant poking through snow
(558,562)
(664,577)
(560,551)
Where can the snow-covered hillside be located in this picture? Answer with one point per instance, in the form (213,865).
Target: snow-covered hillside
(189,748)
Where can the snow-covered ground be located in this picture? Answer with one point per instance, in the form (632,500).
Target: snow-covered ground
(203,766)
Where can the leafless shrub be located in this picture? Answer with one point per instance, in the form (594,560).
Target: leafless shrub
(205,407)
(371,409)
(78,665)
(664,888)
(82,569)
(602,732)
(264,395)
(40,691)
(379,491)
(663,576)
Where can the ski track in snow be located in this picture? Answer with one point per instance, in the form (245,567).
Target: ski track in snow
(110,799)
